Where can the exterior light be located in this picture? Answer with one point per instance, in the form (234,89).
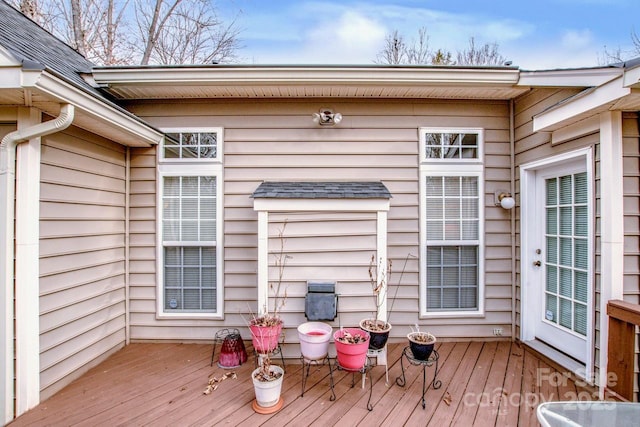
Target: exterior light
(504,199)
(326,117)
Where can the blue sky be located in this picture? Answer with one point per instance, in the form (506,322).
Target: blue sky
(536,34)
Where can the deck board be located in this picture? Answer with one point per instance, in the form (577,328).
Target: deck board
(489,384)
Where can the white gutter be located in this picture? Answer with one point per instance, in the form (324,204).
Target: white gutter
(7,217)
(265,75)
(94,114)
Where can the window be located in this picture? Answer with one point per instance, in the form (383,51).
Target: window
(190,145)
(189,208)
(451,221)
(451,145)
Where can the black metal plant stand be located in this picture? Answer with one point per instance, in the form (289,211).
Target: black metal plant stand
(366,369)
(307,364)
(433,359)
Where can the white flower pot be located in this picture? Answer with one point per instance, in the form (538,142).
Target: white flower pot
(268,392)
(314,340)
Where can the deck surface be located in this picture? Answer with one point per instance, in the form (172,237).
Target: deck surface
(483,384)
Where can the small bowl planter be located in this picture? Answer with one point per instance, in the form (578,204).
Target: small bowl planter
(421,344)
(314,340)
(352,345)
(378,330)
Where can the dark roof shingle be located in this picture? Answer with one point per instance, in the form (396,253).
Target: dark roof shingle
(322,190)
(32,45)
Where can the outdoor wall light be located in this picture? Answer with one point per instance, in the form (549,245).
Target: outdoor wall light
(326,117)
(504,199)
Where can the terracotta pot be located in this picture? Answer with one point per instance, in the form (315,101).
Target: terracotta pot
(351,357)
(314,340)
(378,338)
(421,350)
(268,392)
(265,338)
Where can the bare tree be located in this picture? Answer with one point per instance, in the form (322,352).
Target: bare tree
(39,11)
(168,31)
(418,52)
(397,51)
(610,56)
(487,54)
(394,51)
(184,31)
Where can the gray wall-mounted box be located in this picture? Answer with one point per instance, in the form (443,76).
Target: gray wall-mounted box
(321,301)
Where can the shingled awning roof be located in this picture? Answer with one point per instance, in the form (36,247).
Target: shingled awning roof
(322,190)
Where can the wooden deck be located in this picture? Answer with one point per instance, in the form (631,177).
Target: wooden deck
(484,384)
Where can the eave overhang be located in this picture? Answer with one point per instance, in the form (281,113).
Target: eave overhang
(617,94)
(308,82)
(46,91)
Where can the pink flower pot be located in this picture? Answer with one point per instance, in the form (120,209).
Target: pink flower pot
(265,338)
(351,357)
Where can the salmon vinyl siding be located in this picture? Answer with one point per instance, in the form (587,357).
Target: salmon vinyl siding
(277,140)
(82,251)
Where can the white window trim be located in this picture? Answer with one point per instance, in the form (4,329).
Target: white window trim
(425,130)
(191,167)
(451,167)
(219,146)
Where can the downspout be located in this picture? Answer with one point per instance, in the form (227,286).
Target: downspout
(512,165)
(8,148)
(127,246)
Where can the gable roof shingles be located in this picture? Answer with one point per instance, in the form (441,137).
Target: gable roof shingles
(322,190)
(33,45)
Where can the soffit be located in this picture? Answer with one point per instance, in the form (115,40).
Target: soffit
(141,91)
(309,82)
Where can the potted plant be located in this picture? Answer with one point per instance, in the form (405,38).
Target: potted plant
(421,344)
(351,348)
(314,340)
(378,329)
(265,333)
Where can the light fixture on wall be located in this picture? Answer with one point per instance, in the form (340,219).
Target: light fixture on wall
(326,117)
(505,199)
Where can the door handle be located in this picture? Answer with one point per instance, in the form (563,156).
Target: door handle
(537,263)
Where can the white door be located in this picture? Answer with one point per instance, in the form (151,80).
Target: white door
(559,248)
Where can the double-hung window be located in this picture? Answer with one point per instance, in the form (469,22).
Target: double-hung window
(451,221)
(189,223)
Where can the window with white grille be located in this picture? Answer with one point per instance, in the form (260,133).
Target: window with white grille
(451,221)
(189,229)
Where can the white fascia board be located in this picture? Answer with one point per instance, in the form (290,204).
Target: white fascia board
(631,78)
(244,76)
(99,110)
(10,77)
(343,205)
(590,77)
(576,130)
(580,106)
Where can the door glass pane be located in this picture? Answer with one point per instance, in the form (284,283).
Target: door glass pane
(567,258)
